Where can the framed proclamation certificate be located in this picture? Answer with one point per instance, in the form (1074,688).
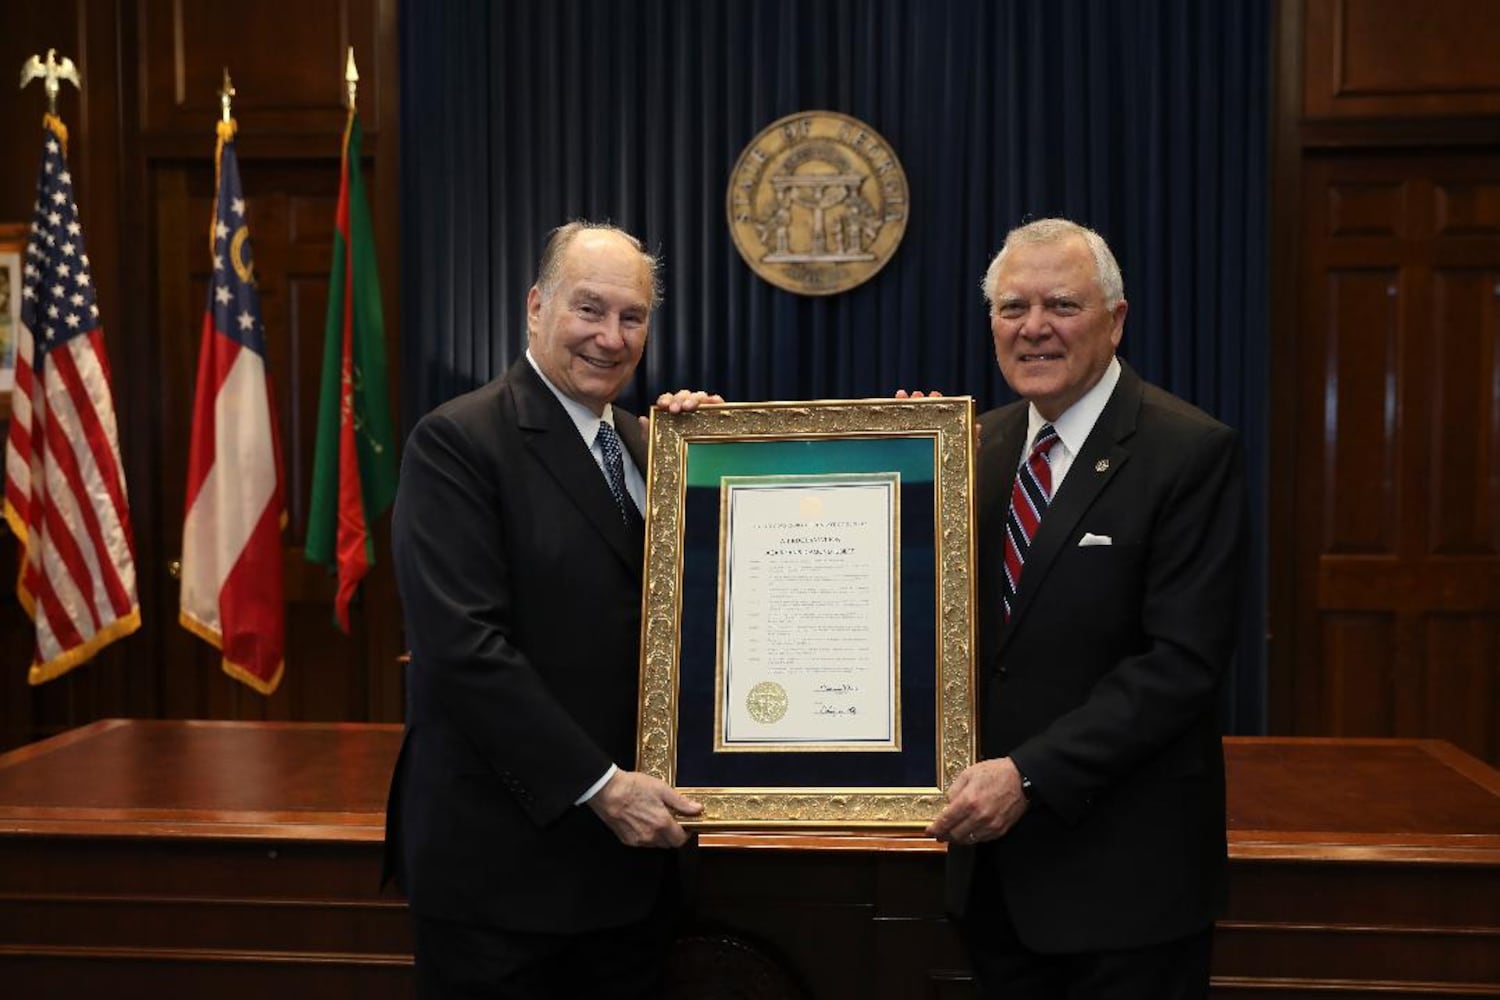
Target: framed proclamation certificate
(808,637)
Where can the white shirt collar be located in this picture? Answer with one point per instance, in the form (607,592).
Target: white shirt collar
(583,417)
(1077,421)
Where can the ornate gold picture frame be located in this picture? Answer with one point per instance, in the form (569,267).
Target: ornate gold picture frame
(808,637)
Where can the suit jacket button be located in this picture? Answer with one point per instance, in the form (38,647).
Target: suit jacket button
(1002,671)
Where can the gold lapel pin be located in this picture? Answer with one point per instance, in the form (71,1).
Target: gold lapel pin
(1102,465)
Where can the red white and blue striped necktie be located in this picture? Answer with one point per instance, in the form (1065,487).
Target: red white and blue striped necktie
(1028,500)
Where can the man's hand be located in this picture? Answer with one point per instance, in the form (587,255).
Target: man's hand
(934,394)
(642,810)
(984,803)
(681,401)
(686,400)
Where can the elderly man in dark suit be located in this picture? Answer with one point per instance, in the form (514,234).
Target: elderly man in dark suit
(522,840)
(1087,846)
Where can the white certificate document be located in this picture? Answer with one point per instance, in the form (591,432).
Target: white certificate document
(808,611)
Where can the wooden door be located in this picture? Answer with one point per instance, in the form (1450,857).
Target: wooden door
(1397,449)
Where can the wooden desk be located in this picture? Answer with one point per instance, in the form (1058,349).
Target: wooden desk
(1360,868)
(178,859)
(242,859)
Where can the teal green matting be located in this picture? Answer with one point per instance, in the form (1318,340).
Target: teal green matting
(710,461)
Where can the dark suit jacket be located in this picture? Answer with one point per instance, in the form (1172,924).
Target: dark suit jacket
(1104,686)
(521,589)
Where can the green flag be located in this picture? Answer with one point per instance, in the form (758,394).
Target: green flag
(354,467)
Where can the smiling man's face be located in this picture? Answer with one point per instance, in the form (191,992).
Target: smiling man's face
(1054,336)
(588,331)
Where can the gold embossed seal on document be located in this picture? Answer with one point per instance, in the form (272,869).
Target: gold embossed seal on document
(817,203)
(766,702)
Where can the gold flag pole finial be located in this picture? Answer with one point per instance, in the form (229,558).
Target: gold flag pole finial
(351,78)
(226,95)
(50,72)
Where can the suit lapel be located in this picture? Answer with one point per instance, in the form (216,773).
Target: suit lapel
(553,440)
(1103,455)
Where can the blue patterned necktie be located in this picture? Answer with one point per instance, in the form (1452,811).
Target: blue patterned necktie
(614,469)
(1029,498)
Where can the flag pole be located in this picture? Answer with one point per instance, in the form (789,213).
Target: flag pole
(225,132)
(226,95)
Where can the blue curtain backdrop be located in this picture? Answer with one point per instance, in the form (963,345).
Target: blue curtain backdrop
(1145,119)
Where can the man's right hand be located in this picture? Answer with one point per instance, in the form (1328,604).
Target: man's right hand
(984,802)
(642,810)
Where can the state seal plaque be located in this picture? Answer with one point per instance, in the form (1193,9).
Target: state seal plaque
(817,203)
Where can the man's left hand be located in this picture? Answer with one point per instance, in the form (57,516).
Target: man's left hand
(686,400)
(681,401)
(984,803)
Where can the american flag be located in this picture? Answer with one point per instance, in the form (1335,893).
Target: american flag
(64,487)
(231,537)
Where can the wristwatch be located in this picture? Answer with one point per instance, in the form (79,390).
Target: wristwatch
(1026,786)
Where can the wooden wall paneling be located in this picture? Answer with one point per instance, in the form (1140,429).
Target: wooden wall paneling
(1462,679)
(1286,572)
(1387,146)
(1358,668)
(1387,58)
(289,105)
(140,421)
(1465,409)
(1359,412)
(289,212)
(1398,571)
(286,60)
(380,116)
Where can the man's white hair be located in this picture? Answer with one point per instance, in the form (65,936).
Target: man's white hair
(1106,269)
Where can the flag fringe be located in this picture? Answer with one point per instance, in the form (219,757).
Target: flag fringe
(244,676)
(23,536)
(41,673)
(238,671)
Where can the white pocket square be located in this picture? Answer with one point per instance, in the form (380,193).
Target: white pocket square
(1089,538)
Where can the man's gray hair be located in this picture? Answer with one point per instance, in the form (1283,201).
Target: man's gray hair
(563,236)
(1106,269)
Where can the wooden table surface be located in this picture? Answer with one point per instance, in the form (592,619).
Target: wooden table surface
(1313,798)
